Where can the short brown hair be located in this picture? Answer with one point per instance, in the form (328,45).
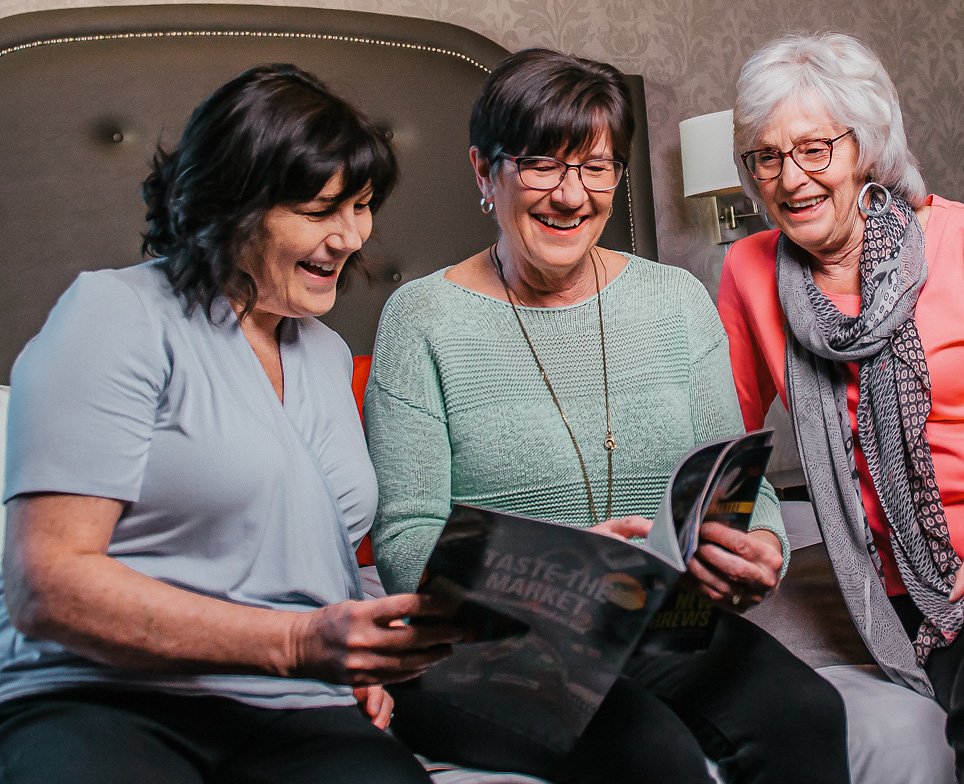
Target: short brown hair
(541,102)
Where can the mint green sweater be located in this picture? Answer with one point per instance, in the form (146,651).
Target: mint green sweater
(456,410)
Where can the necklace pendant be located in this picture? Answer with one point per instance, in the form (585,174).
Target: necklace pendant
(610,442)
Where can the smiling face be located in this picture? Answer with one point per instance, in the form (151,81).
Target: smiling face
(547,235)
(817,211)
(303,248)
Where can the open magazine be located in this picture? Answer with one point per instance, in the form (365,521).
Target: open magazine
(554,612)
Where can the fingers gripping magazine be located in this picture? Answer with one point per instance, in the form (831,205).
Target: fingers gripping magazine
(686,622)
(552,613)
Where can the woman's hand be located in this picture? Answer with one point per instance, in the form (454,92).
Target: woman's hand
(733,569)
(624,527)
(374,701)
(957,592)
(364,643)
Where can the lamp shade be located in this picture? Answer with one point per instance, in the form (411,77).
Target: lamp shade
(706,144)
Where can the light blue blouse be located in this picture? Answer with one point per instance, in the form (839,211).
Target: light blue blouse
(232,494)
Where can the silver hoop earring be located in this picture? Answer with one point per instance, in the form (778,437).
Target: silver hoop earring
(870,190)
(486,206)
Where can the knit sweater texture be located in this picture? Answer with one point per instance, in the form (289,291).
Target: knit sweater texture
(456,409)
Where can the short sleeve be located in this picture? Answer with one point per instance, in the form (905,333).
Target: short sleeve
(85,392)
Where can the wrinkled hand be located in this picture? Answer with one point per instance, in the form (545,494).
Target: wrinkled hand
(624,527)
(364,643)
(733,569)
(374,701)
(958,590)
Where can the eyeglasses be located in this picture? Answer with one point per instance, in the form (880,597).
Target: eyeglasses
(546,174)
(813,155)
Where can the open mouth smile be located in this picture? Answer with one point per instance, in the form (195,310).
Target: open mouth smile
(560,223)
(321,269)
(802,205)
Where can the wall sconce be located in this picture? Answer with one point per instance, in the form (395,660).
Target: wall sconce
(706,145)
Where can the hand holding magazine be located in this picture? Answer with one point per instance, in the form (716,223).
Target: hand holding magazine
(553,612)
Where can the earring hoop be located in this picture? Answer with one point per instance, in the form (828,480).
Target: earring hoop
(869,190)
(486,206)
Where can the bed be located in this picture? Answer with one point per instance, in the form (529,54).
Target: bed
(88,93)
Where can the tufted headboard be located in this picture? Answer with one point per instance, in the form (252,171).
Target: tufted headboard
(87,93)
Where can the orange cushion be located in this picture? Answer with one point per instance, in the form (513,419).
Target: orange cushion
(359,381)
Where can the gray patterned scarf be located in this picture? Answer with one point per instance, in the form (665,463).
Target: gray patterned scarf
(891,414)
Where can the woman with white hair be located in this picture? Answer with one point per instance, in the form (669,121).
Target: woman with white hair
(852,310)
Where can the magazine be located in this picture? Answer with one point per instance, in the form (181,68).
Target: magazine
(552,613)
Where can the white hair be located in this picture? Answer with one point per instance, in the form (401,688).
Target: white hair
(840,74)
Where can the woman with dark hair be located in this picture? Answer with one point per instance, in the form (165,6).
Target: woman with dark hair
(187,479)
(851,310)
(553,378)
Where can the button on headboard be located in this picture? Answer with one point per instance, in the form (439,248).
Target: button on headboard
(87,93)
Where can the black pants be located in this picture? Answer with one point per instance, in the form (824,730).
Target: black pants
(105,737)
(748,703)
(945,668)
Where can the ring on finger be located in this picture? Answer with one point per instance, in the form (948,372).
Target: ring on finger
(736,599)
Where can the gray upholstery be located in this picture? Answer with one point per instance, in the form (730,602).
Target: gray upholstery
(895,736)
(86,94)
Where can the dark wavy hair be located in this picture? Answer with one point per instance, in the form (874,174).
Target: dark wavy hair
(541,102)
(275,135)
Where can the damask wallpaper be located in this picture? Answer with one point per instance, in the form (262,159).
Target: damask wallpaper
(690,53)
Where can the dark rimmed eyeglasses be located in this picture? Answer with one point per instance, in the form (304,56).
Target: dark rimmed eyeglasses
(541,173)
(812,155)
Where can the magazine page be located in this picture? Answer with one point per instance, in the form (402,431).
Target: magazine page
(731,497)
(675,529)
(713,473)
(554,613)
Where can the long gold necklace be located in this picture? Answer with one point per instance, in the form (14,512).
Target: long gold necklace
(609,442)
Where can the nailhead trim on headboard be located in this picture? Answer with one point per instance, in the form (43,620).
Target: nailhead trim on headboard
(241,33)
(632,225)
(267,34)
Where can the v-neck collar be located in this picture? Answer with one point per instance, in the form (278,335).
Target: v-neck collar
(224,316)
(289,422)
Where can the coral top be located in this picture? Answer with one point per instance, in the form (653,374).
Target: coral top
(753,317)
